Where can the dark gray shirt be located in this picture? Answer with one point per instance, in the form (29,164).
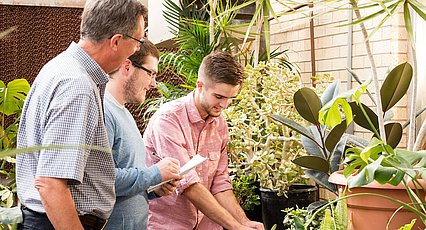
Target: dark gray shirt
(64,107)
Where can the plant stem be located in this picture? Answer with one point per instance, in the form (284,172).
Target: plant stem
(374,70)
(412,127)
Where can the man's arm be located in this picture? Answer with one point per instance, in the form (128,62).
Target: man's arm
(58,203)
(206,203)
(227,200)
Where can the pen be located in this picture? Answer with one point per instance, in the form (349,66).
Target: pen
(157,156)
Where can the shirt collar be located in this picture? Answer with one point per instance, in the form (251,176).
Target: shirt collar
(92,67)
(194,115)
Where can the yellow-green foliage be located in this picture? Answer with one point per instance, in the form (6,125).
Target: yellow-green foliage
(327,222)
(268,89)
(341,215)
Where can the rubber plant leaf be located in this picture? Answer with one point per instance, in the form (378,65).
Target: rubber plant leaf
(335,135)
(393,134)
(330,92)
(336,156)
(395,85)
(321,178)
(12,97)
(313,162)
(308,104)
(360,118)
(292,125)
(313,147)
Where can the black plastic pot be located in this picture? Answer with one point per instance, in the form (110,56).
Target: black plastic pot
(272,204)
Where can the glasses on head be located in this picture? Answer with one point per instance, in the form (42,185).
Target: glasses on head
(149,72)
(141,41)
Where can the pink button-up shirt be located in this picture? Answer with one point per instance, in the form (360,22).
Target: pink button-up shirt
(177,130)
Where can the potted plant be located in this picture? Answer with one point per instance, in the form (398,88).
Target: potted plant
(261,151)
(12,99)
(376,160)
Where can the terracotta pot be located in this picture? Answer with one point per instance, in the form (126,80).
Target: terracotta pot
(372,212)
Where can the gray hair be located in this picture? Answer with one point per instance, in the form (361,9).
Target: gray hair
(101,19)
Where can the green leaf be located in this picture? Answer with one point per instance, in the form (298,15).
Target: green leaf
(308,104)
(373,149)
(366,175)
(335,135)
(313,162)
(360,118)
(416,6)
(384,174)
(330,92)
(407,20)
(410,156)
(336,156)
(408,226)
(321,178)
(10,215)
(395,85)
(330,114)
(312,147)
(292,125)
(393,134)
(12,96)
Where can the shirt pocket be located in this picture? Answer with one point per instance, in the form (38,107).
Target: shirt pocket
(214,157)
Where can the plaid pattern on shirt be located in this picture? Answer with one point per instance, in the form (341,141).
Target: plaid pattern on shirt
(64,107)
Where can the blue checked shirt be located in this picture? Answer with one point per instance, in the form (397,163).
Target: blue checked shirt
(64,107)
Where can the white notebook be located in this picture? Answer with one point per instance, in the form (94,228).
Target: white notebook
(194,162)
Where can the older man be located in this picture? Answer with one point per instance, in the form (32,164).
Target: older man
(74,188)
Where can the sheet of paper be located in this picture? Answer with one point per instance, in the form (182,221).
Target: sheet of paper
(194,162)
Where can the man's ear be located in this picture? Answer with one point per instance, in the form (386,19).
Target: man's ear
(199,84)
(114,41)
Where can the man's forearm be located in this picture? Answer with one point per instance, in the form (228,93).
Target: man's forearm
(206,203)
(228,201)
(58,203)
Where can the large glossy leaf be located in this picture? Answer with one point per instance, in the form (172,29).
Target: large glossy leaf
(330,92)
(395,85)
(308,104)
(360,118)
(336,155)
(357,141)
(321,178)
(311,147)
(13,96)
(335,135)
(292,125)
(393,134)
(313,162)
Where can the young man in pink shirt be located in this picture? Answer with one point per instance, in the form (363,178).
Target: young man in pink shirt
(194,125)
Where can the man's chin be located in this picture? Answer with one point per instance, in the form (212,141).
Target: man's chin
(215,114)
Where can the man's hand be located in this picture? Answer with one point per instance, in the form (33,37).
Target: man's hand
(254,225)
(167,188)
(169,169)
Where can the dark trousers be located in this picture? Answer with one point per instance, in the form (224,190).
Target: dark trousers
(39,221)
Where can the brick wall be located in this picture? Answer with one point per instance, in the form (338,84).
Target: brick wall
(389,46)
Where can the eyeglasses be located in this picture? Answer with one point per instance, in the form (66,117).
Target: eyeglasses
(141,41)
(149,72)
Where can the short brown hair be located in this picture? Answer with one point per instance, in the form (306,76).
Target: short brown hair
(146,49)
(222,67)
